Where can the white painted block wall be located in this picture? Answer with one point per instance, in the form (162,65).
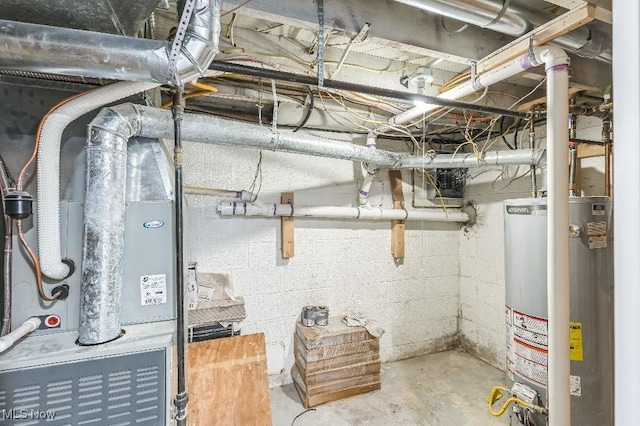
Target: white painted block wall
(346,265)
(482,327)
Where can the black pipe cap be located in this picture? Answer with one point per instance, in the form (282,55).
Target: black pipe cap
(18,205)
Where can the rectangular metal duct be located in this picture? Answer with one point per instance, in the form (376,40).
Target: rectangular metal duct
(123,17)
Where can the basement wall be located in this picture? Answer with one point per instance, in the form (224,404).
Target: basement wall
(346,265)
(482,326)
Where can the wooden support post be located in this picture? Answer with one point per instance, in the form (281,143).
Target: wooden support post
(286,228)
(397,226)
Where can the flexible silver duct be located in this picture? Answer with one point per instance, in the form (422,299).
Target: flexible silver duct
(45,49)
(103,238)
(505,17)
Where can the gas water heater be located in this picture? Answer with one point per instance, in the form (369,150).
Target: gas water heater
(591,326)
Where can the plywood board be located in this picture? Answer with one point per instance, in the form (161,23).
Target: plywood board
(287,228)
(336,351)
(227,382)
(334,333)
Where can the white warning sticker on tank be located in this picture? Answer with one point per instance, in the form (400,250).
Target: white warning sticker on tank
(531,353)
(511,352)
(531,371)
(597,235)
(575,389)
(153,289)
(532,330)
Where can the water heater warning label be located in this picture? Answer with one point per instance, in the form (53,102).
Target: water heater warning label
(527,354)
(153,289)
(597,235)
(575,341)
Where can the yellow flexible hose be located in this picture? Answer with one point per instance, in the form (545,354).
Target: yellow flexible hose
(497,393)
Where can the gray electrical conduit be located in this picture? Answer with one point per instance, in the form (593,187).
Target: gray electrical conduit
(199,49)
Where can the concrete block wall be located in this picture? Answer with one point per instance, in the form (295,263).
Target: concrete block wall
(482,327)
(346,265)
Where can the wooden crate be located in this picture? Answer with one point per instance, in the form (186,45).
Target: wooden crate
(334,333)
(336,390)
(334,362)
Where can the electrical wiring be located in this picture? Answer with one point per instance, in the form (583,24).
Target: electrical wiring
(308,110)
(204,86)
(36,264)
(235,8)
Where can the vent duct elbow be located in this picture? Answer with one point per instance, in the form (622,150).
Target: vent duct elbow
(45,49)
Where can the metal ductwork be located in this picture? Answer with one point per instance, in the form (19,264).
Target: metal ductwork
(505,17)
(109,133)
(156,123)
(45,49)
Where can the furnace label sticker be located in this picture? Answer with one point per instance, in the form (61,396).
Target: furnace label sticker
(575,341)
(153,289)
(597,235)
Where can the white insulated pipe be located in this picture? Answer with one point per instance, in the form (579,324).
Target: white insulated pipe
(48,172)
(198,50)
(29,326)
(370,171)
(559,402)
(240,195)
(337,212)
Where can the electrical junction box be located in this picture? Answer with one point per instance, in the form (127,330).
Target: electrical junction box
(450,182)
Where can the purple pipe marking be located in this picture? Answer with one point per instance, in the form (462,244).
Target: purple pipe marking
(238,194)
(234,207)
(364,193)
(558,68)
(244,206)
(525,62)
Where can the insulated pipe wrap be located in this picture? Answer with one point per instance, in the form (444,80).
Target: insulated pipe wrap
(49,168)
(103,238)
(157,123)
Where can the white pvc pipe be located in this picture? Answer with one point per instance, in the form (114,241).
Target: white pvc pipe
(29,326)
(240,195)
(337,212)
(486,79)
(49,167)
(559,402)
(369,174)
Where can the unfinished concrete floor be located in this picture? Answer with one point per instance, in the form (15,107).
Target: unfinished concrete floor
(447,388)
